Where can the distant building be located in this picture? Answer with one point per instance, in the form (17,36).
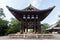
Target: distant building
(53,28)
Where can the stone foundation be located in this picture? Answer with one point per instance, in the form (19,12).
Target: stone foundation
(44,36)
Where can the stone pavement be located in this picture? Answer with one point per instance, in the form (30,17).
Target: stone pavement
(56,37)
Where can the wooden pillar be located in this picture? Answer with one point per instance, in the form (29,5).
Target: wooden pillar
(26,26)
(22,27)
(38,27)
(35,27)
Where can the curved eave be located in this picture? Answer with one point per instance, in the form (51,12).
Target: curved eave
(43,13)
(15,10)
(46,12)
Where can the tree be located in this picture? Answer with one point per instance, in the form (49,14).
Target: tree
(1,13)
(14,27)
(58,22)
(59,16)
(3,23)
(3,27)
(44,26)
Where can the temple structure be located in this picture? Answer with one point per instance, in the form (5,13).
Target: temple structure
(30,18)
(54,28)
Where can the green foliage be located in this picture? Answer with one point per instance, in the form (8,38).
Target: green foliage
(58,22)
(44,26)
(3,26)
(59,16)
(14,27)
(8,27)
(1,13)
(3,23)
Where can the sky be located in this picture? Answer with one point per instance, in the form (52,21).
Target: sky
(40,4)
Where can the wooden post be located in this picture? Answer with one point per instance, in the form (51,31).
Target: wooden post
(38,27)
(22,27)
(35,29)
